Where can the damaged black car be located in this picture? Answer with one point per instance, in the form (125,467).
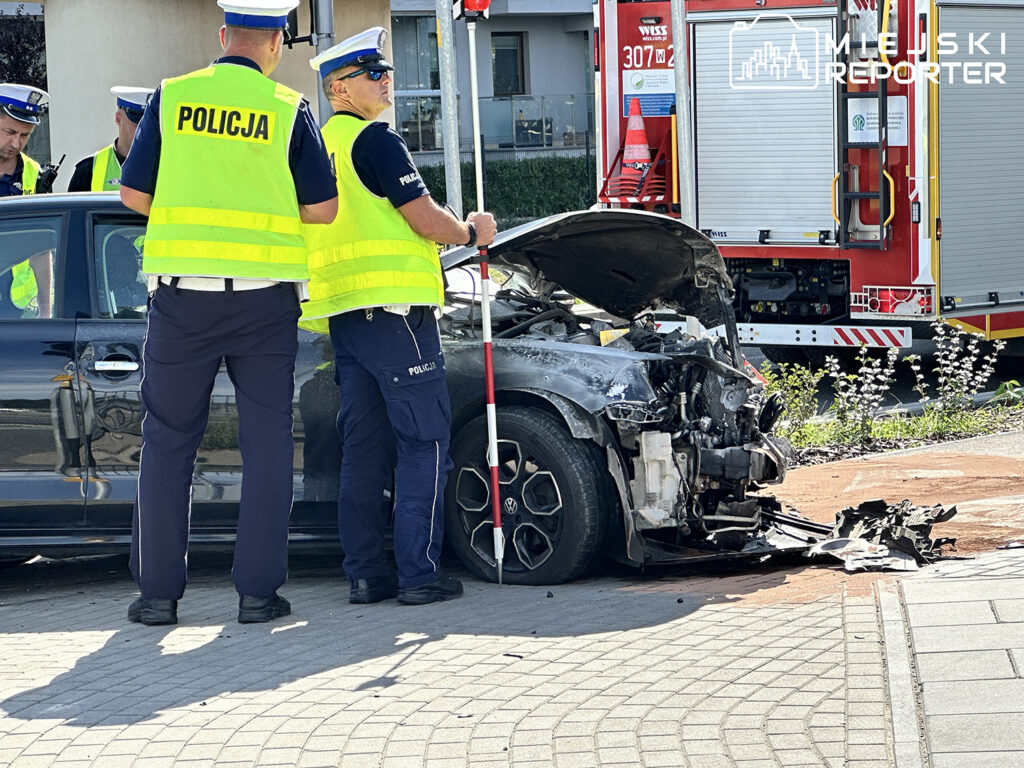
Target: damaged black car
(625,428)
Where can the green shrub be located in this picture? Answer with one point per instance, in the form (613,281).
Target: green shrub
(517,191)
(798,386)
(962,364)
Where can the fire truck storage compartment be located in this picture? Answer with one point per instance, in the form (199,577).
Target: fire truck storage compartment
(790,290)
(981,163)
(765,156)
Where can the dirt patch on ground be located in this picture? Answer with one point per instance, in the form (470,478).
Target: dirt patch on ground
(808,583)
(988,492)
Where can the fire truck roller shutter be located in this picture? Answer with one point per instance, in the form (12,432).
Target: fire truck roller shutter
(765,145)
(981,161)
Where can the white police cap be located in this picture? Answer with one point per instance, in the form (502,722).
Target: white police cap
(365,49)
(24,102)
(132,99)
(261,14)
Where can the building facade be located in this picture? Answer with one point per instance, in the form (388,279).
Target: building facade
(535,74)
(534,56)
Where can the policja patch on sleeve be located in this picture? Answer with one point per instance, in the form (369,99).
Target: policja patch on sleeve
(233,123)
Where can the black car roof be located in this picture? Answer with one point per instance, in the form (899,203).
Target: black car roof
(62,201)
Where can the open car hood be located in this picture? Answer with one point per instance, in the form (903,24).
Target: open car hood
(622,261)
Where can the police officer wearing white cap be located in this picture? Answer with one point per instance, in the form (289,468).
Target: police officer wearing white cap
(375,283)
(228,165)
(21,107)
(102,171)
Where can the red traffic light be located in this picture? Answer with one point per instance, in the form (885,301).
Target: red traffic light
(470,9)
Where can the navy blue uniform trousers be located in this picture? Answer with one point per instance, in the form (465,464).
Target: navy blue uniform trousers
(394,420)
(189,334)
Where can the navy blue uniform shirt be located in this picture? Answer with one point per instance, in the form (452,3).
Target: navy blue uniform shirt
(8,181)
(384,165)
(307,157)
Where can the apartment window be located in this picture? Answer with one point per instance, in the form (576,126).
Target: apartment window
(417,81)
(507,63)
(415,52)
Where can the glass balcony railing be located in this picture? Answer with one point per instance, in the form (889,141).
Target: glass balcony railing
(553,121)
(418,115)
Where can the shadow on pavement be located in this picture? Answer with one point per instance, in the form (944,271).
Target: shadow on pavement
(140,671)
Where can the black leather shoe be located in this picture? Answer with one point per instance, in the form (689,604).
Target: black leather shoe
(153,612)
(444,587)
(373,590)
(256,610)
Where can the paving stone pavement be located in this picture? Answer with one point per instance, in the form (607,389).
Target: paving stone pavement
(966,626)
(779,667)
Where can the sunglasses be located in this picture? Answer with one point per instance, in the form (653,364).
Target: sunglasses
(133,115)
(373,74)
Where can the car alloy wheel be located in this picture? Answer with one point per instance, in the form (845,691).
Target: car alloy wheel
(553,514)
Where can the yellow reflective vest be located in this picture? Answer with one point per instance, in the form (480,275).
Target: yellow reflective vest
(106,170)
(369,256)
(225,202)
(23,279)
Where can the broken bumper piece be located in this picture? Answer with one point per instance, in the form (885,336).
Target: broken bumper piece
(880,536)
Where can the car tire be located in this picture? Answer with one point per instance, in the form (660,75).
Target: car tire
(557,499)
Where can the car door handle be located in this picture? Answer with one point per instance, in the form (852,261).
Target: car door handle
(115,366)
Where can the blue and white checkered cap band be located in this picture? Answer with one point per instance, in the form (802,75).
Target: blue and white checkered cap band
(252,20)
(24,106)
(349,58)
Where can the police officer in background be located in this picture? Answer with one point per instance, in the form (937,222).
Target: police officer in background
(21,107)
(375,283)
(102,171)
(228,165)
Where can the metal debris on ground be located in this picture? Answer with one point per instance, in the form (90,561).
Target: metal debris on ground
(879,536)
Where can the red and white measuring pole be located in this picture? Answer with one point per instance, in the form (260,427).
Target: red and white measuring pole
(473,9)
(492,413)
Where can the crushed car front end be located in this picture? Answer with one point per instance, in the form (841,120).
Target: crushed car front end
(681,428)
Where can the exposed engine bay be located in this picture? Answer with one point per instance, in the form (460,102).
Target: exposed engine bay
(690,449)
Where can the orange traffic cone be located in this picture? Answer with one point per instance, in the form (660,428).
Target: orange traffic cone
(636,154)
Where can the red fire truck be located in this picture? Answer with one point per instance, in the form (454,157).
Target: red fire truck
(860,166)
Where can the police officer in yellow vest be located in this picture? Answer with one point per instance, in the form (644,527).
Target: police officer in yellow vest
(102,171)
(21,107)
(228,165)
(375,283)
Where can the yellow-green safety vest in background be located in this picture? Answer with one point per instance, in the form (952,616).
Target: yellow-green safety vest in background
(106,170)
(23,279)
(29,174)
(369,256)
(225,204)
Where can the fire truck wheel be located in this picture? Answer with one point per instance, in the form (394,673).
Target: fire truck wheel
(11,562)
(785,355)
(847,357)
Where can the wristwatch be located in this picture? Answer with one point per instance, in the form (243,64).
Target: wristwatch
(472,234)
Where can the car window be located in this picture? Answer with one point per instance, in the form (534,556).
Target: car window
(28,259)
(120,286)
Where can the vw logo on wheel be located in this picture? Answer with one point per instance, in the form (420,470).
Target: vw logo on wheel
(510,506)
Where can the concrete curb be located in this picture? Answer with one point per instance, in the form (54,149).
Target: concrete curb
(907,721)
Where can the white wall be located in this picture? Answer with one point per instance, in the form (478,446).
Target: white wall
(92,45)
